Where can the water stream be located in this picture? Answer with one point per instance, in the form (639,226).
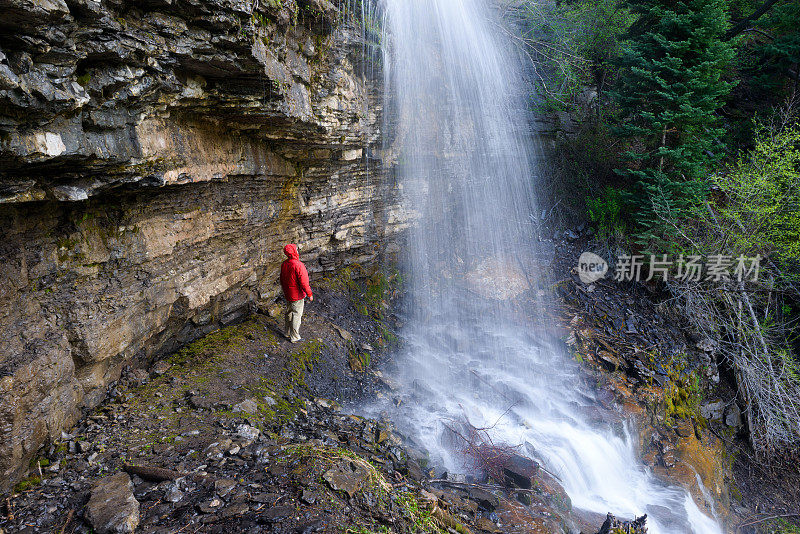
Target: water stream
(467,162)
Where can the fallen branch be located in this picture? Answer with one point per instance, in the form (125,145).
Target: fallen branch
(749,523)
(485,485)
(153,474)
(69,518)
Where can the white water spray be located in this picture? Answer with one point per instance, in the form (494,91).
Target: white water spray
(467,163)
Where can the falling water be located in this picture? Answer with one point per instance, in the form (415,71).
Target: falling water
(466,160)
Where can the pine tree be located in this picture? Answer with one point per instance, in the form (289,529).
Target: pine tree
(670,86)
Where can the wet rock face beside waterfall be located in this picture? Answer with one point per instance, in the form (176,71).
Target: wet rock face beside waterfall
(153,160)
(298,465)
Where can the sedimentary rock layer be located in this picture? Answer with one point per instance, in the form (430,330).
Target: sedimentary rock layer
(154,157)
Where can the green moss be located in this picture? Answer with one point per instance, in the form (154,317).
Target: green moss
(28,483)
(213,344)
(421,517)
(369,291)
(84,79)
(783,526)
(303,360)
(683,394)
(358,361)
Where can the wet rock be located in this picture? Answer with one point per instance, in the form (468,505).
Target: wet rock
(486,525)
(414,470)
(609,361)
(264,498)
(247,433)
(308,497)
(313,526)
(520,471)
(630,325)
(328,404)
(173,494)
(210,506)
(235,510)
(161,368)
(139,377)
(733,416)
(200,402)
(347,336)
(277,513)
(112,508)
(247,406)
(485,498)
(713,410)
(612,525)
(346,476)
(495,279)
(684,428)
(224,487)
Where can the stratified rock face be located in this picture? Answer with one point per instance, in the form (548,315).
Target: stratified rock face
(154,158)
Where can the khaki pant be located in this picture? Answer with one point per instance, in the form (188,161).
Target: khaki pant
(294,315)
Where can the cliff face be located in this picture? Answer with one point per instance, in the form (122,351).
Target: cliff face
(154,157)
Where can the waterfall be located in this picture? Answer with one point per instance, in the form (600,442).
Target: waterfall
(467,163)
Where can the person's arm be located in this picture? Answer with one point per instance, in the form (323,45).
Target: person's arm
(304,283)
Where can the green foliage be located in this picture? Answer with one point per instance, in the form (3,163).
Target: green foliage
(304,359)
(606,211)
(420,516)
(574,43)
(761,210)
(370,293)
(584,166)
(670,86)
(783,526)
(359,361)
(767,56)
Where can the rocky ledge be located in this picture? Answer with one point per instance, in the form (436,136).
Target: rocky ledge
(154,158)
(229,435)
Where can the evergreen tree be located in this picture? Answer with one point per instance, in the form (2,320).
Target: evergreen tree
(775,58)
(669,88)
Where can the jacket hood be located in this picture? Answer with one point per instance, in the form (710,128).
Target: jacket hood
(291,252)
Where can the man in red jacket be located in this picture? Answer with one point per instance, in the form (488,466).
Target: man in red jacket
(294,281)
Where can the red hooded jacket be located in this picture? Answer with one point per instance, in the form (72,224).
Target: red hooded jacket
(294,276)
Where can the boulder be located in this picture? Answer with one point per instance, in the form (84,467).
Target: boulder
(733,416)
(497,280)
(346,476)
(520,471)
(485,498)
(112,508)
(713,410)
(247,406)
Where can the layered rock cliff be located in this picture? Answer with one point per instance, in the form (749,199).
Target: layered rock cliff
(154,157)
